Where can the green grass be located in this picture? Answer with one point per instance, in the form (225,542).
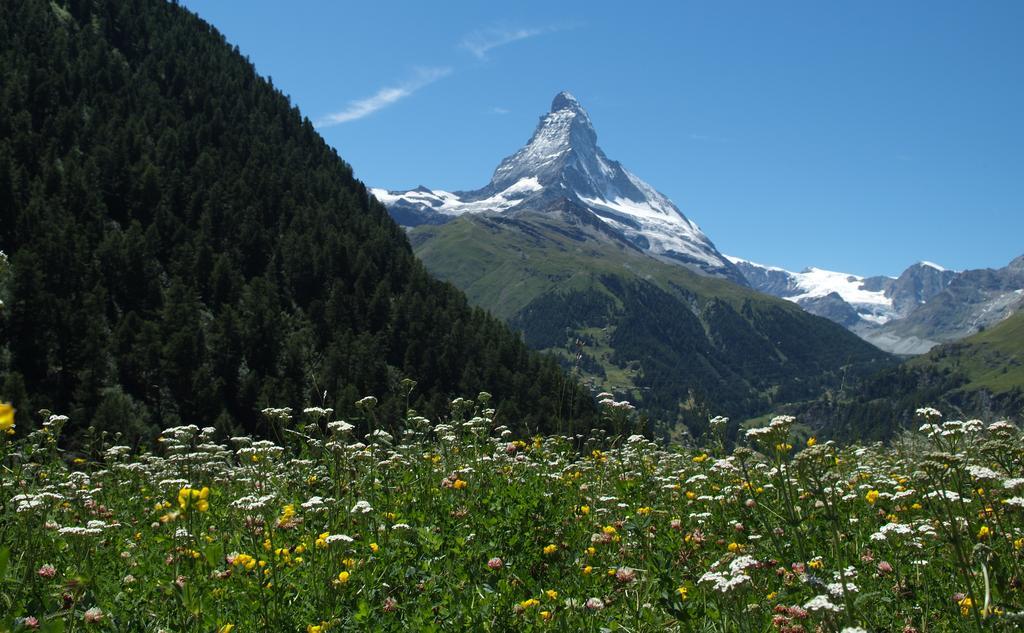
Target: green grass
(992,360)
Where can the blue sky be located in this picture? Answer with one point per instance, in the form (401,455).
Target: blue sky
(857,136)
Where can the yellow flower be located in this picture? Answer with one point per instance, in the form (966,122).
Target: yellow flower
(321,541)
(983,532)
(817,563)
(532,602)
(591,551)
(459,484)
(682,591)
(811,442)
(287,513)
(691,495)
(965,605)
(349,562)
(644,511)
(245,561)
(871,497)
(771,596)
(588,569)
(7,417)
(700,458)
(916,506)
(374,547)
(552,594)
(584,510)
(190,498)
(608,529)
(226,628)
(783,447)
(545,615)
(343,577)
(550,549)
(1018,544)
(735,547)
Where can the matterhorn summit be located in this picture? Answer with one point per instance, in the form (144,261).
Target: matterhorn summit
(561,169)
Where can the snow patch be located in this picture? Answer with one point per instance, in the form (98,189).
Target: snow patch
(448,203)
(740,260)
(817,282)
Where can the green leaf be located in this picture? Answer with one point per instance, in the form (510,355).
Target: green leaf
(214,554)
(53,626)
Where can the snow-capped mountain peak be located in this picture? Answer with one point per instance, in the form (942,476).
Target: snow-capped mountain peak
(562,161)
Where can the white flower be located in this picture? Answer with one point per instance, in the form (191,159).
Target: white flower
(317,503)
(983,473)
(929,412)
(79,531)
(836,588)
(723,582)
(740,563)
(1001,425)
(366,403)
(252,502)
(339,426)
(949,495)
(821,603)
(362,507)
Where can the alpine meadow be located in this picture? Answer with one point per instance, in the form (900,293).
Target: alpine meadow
(243,391)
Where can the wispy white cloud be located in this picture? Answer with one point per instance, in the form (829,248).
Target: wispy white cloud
(499,110)
(384,97)
(480,42)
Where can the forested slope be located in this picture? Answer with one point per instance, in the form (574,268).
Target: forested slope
(184,247)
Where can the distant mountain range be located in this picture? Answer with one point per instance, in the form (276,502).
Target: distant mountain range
(923,307)
(594,265)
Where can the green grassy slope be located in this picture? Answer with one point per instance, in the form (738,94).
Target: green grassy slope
(981,376)
(681,344)
(991,360)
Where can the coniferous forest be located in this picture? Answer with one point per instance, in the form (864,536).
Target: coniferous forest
(183,247)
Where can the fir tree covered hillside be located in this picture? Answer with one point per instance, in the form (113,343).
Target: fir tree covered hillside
(183,247)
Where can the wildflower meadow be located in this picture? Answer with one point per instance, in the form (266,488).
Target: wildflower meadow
(456,525)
